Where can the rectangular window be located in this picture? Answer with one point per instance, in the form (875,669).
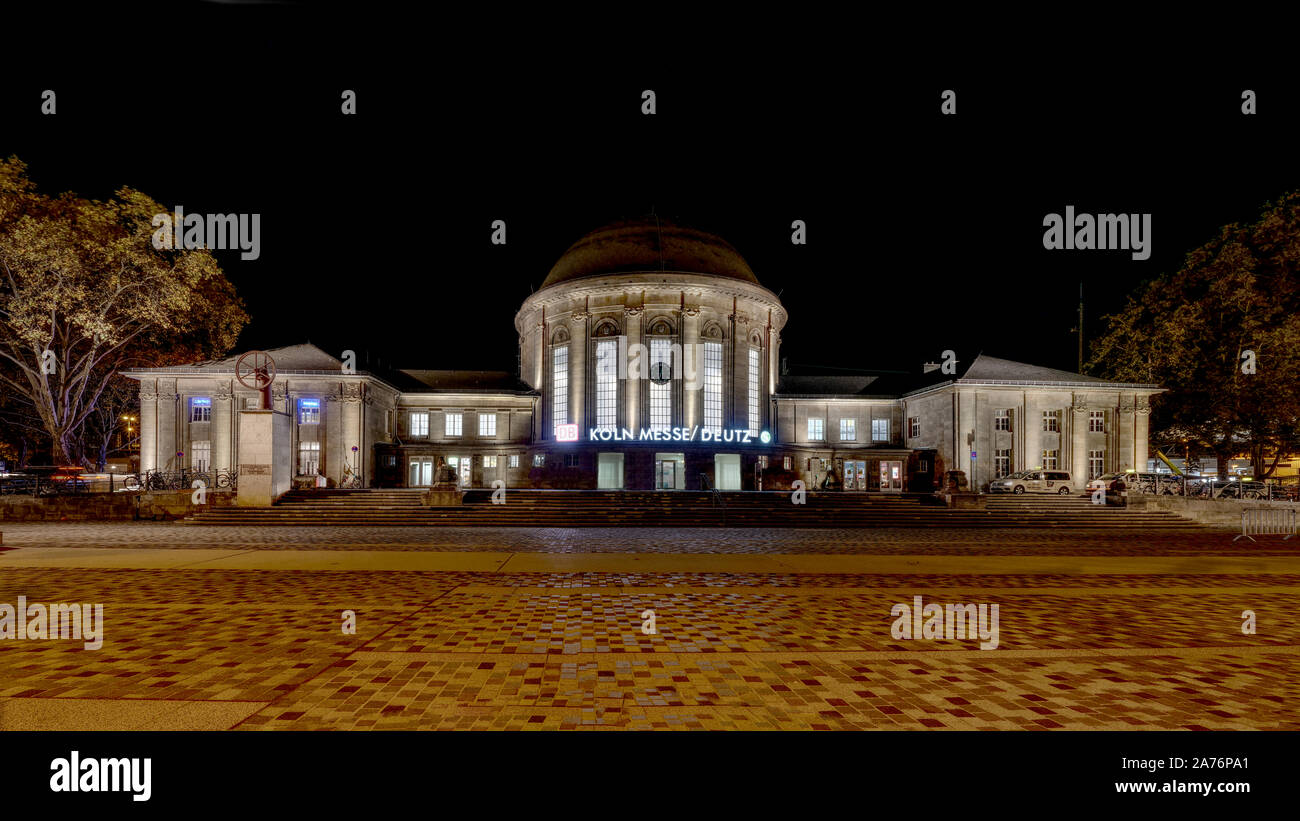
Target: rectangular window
(1096,421)
(539,460)
(559,387)
(1051,422)
(788,463)
(390,460)
(201,456)
(762,462)
(1096,463)
(848,430)
(308,458)
(755,416)
(607,384)
(816,429)
(489,461)
(487,424)
(1001,463)
(453,425)
(570,460)
(201,409)
(419,423)
(1002,419)
(1050,459)
(713,386)
(661,393)
(308,411)
(880,430)
(514,460)
(914,427)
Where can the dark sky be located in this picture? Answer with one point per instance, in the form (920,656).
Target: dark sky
(925,232)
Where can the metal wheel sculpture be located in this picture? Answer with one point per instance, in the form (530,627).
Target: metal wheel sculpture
(256,370)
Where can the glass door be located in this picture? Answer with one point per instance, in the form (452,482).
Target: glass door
(891,476)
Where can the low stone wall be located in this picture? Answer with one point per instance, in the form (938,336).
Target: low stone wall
(163,505)
(1218,512)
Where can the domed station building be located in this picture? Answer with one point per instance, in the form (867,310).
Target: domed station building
(650,359)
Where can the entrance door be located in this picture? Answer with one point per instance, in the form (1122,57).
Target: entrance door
(670,471)
(891,476)
(462,465)
(855,475)
(609,471)
(421,473)
(726,471)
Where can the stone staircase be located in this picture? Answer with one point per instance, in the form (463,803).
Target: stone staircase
(598,508)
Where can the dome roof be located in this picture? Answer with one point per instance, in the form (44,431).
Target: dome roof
(649,244)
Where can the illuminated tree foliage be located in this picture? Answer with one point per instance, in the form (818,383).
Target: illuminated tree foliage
(84,293)
(1189,331)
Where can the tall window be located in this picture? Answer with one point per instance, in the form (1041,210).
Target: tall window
(848,430)
(201,409)
(661,392)
(1051,459)
(1096,421)
(201,456)
(816,429)
(755,417)
(607,384)
(1001,463)
(914,427)
(514,460)
(419,423)
(1002,419)
(308,458)
(880,430)
(489,461)
(713,386)
(309,411)
(453,425)
(1096,463)
(559,386)
(1051,422)
(487,424)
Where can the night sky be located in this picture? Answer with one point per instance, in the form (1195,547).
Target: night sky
(925,232)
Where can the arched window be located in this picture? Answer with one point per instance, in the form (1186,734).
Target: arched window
(755,381)
(664,365)
(713,337)
(559,379)
(606,374)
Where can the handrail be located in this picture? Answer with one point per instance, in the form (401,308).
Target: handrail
(718,501)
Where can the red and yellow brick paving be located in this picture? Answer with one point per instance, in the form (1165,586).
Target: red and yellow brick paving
(205,646)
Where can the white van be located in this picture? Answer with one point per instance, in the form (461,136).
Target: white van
(1034,481)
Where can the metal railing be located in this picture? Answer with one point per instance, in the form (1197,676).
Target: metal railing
(1267,521)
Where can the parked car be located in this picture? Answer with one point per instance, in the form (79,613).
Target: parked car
(1033,481)
(1102,482)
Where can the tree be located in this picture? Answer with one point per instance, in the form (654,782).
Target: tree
(83,292)
(1232,308)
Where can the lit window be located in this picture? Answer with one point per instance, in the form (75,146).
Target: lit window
(914,427)
(713,386)
(1002,419)
(200,409)
(453,426)
(514,460)
(539,460)
(1001,463)
(308,411)
(755,419)
(200,456)
(661,392)
(848,430)
(816,429)
(308,458)
(762,462)
(489,461)
(419,424)
(1051,422)
(487,424)
(1096,463)
(560,386)
(787,463)
(1096,421)
(1050,459)
(606,384)
(880,430)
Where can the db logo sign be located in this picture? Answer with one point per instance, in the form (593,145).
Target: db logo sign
(566,433)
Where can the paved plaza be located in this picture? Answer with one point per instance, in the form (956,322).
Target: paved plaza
(478,628)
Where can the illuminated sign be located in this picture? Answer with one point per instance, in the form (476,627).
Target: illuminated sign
(566,433)
(203,402)
(731,436)
(309,403)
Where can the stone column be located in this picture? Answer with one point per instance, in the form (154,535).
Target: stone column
(223,446)
(632,387)
(1126,425)
(1141,421)
(168,417)
(1032,424)
(579,339)
(350,430)
(1079,441)
(148,425)
(965,427)
(738,387)
(693,361)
